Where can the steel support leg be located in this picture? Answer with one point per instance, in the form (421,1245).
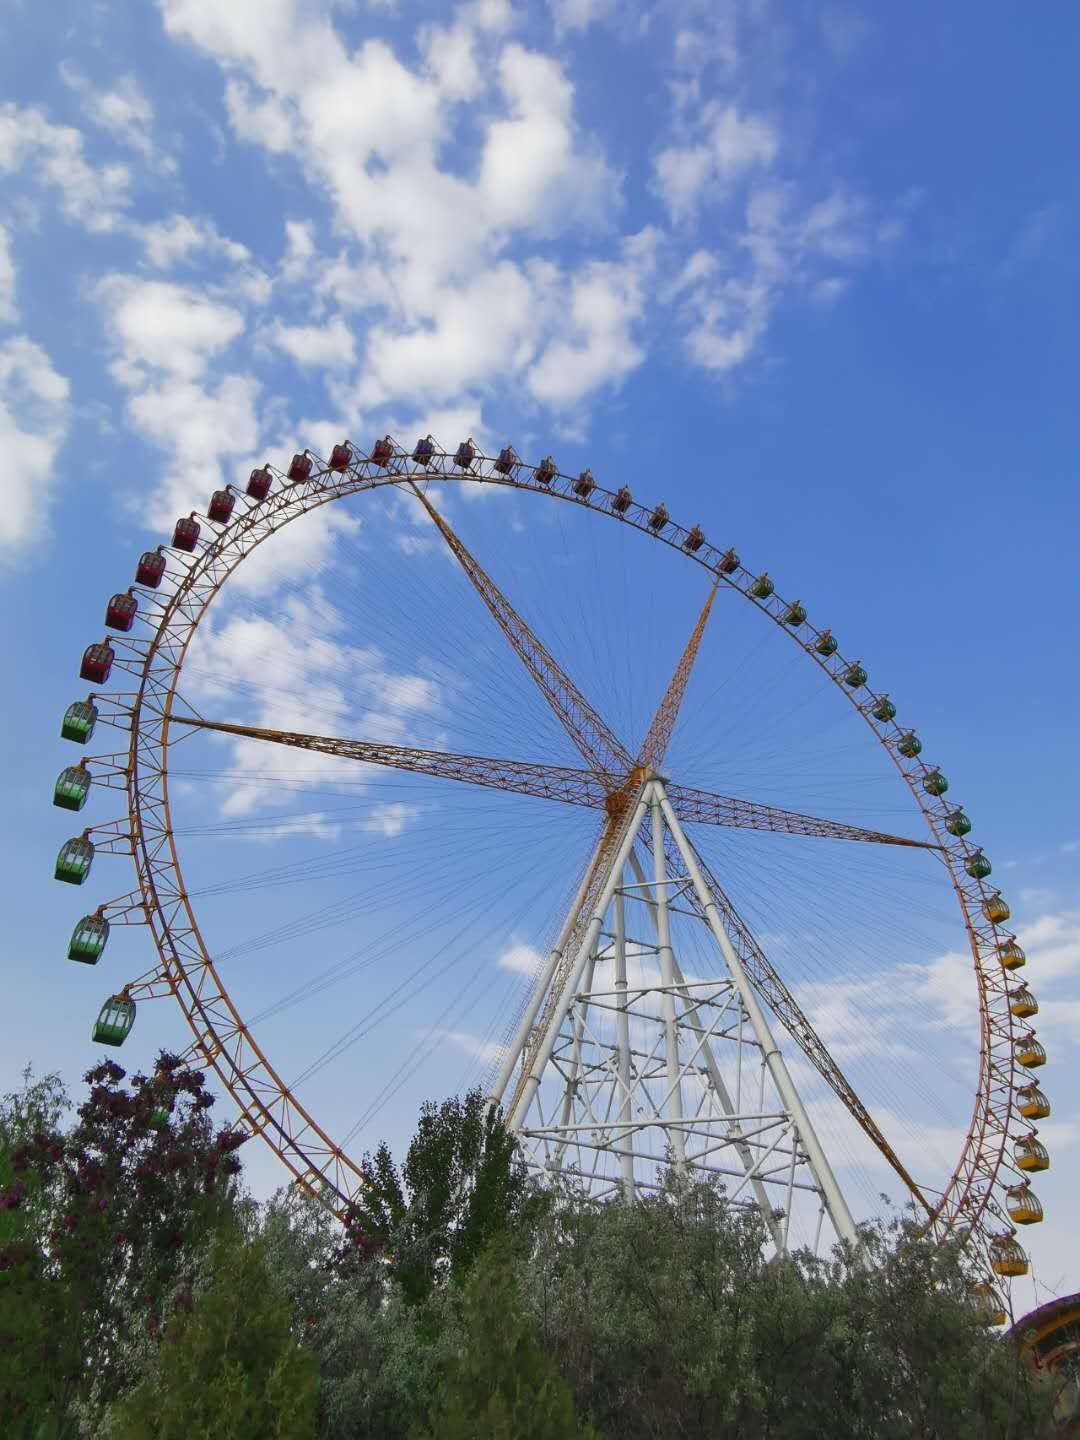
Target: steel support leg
(622,1038)
(839,1214)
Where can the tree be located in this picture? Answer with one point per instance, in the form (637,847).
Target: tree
(228,1369)
(501,1385)
(667,1318)
(102,1222)
(380,1356)
(25,1310)
(462,1183)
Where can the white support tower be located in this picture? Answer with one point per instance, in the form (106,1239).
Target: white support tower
(649,1056)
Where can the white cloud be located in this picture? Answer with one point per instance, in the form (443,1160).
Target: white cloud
(825,292)
(440,358)
(34,417)
(455,315)
(729,147)
(486,1050)
(1052,944)
(53,157)
(579,14)
(299,250)
(596,347)
(410,692)
(293,668)
(328,346)
(198,427)
(124,112)
(184,237)
(8,308)
(265,121)
(521,958)
(533,171)
(163,339)
(158,325)
(728,307)
(390,819)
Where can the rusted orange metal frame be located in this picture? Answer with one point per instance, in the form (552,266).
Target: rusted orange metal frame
(563,783)
(266,1105)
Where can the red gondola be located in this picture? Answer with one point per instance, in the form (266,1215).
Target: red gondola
(97,662)
(259,482)
(658,519)
(466,454)
(584,484)
(185,535)
(340,456)
(150,569)
(120,612)
(383,450)
(547,470)
(221,506)
(695,538)
(729,562)
(300,468)
(622,501)
(507,460)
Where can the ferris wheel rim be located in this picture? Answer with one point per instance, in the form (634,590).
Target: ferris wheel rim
(983,1155)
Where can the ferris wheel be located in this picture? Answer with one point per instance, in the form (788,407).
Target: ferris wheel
(659,1021)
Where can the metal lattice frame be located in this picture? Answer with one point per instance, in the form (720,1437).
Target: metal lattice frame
(969,1204)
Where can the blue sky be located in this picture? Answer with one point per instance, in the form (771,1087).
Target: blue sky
(808,274)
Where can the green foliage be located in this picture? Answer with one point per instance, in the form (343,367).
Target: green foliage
(229,1369)
(380,1356)
(462,1183)
(667,1319)
(27,1316)
(101,1222)
(500,1384)
(141,1297)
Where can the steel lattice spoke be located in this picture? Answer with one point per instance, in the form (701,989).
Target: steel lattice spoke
(658,737)
(563,783)
(548,782)
(599,747)
(703,807)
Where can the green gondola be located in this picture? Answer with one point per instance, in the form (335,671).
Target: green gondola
(113,1025)
(909,745)
(977,866)
(74,860)
(884,710)
(935,783)
(957,823)
(159,1118)
(79,721)
(854,675)
(72,787)
(762,587)
(88,939)
(795,613)
(825,643)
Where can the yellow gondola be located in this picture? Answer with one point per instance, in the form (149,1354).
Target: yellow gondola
(1022,1002)
(1029,1052)
(1030,1153)
(1007,1257)
(1032,1103)
(1023,1205)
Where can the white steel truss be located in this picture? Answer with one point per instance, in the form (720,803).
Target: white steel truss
(643,1063)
